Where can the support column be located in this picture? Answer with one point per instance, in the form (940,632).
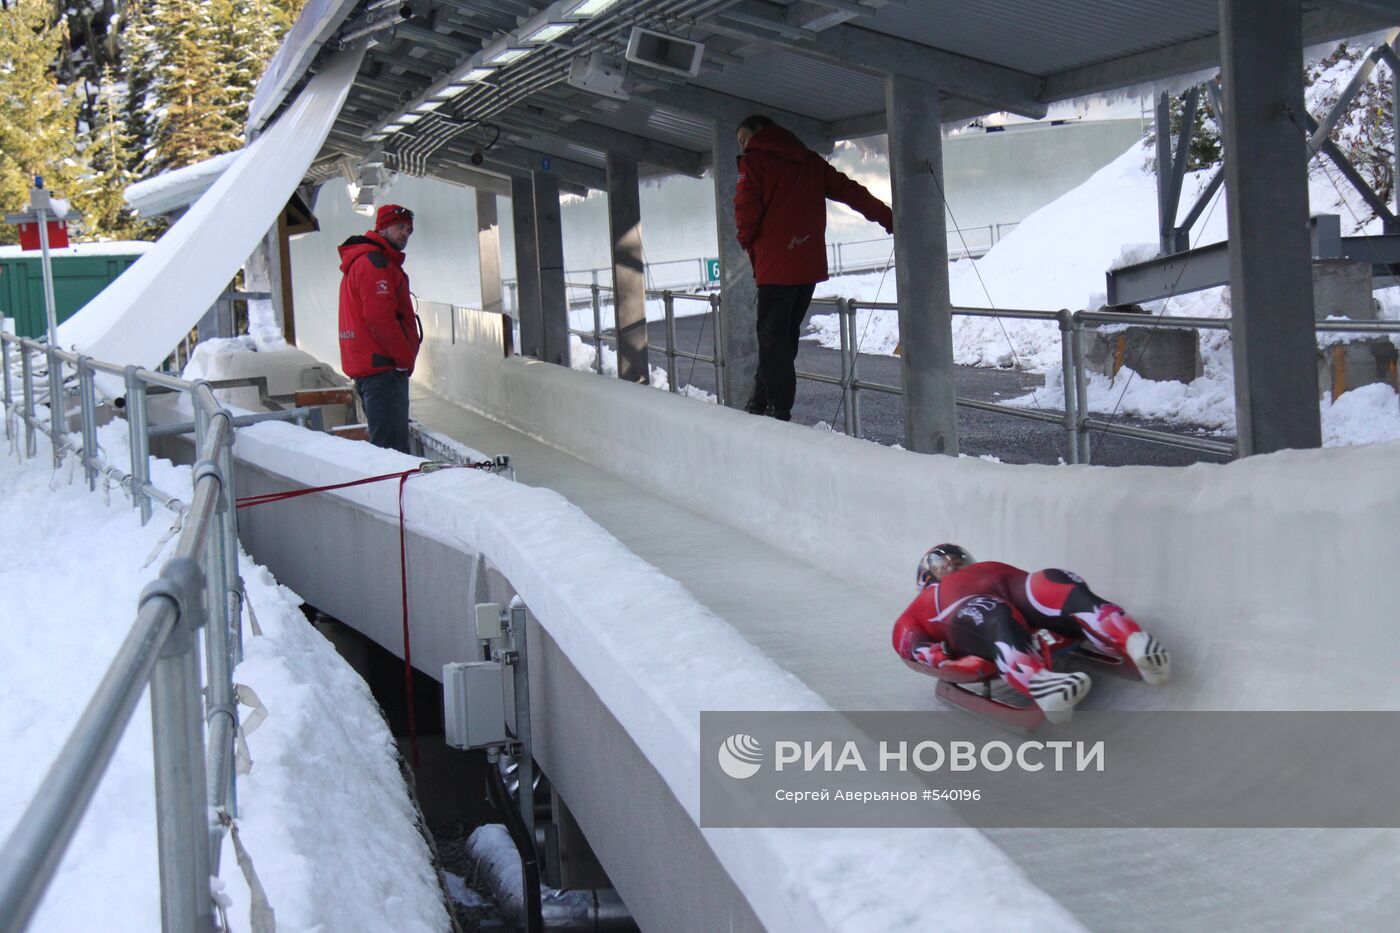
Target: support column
(527,268)
(921,256)
(629,276)
(1271,297)
(739,295)
(264,272)
(488,246)
(549,235)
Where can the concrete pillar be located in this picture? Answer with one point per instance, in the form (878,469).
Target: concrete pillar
(527,268)
(921,256)
(488,245)
(739,294)
(1274,347)
(554,304)
(629,275)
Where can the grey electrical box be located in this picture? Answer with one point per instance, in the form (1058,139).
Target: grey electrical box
(474,705)
(488,621)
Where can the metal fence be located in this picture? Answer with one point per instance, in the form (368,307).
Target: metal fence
(198,588)
(1074,417)
(688,275)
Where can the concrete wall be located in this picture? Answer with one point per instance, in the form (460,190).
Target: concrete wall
(1245,570)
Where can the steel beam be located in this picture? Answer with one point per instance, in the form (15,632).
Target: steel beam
(1320,25)
(726,111)
(1172,274)
(878,53)
(527,267)
(554,304)
(1272,336)
(629,275)
(639,148)
(738,321)
(528,159)
(921,255)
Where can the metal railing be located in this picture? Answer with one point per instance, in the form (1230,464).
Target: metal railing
(688,275)
(670,350)
(199,584)
(1073,417)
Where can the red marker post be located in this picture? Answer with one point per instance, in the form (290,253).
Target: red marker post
(43,226)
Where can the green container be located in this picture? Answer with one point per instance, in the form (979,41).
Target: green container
(76,281)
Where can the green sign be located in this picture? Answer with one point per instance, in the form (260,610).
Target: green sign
(711,271)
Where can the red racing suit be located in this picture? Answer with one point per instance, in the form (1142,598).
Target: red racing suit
(780,207)
(987,604)
(378,330)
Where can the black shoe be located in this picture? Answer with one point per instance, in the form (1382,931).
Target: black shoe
(755,407)
(780,415)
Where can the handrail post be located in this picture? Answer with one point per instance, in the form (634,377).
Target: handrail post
(58,418)
(139,442)
(182,820)
(668,302)
(598,325)
(842,309)
(27,377)
(1081,386)
(856,429)
(716,308)
(87,396)
(5,366)
(229,529)
(1067,377)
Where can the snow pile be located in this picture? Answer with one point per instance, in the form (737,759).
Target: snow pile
(324,813)
(584,358)
(109,248)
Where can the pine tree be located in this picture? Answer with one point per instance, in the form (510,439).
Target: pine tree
(190,96)
(108,156)
(37,115)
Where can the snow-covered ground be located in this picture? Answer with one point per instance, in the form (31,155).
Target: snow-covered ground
(324,812)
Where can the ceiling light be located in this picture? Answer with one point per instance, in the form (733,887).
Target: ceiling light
(427,105)
(506,55)
(409,119)
(547,32)
(591,7)
(475,75)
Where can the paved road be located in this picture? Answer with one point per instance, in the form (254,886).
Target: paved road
(1013,440)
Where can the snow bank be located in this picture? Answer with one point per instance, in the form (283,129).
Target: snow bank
(323,813)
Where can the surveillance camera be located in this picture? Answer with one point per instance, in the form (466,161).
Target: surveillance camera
(478,156)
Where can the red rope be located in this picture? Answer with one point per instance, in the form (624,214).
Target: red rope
(403,477)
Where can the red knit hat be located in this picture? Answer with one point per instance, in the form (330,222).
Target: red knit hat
(391,214)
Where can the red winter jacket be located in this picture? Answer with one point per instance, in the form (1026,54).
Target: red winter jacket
(780,207)
(378,329)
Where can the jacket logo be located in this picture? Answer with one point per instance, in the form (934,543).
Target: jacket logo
(382,286)
(798,241)
(347,335)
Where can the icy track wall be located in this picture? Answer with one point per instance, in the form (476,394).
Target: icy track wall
(615,726)
(1248,571)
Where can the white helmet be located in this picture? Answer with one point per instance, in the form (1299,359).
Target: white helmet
(940,561)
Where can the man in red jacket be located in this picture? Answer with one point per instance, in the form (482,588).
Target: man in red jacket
(780,210)
(379,333)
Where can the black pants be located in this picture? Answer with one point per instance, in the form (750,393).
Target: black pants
(385,397)
(781,310)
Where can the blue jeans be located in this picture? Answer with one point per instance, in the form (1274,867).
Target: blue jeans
(385,397)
